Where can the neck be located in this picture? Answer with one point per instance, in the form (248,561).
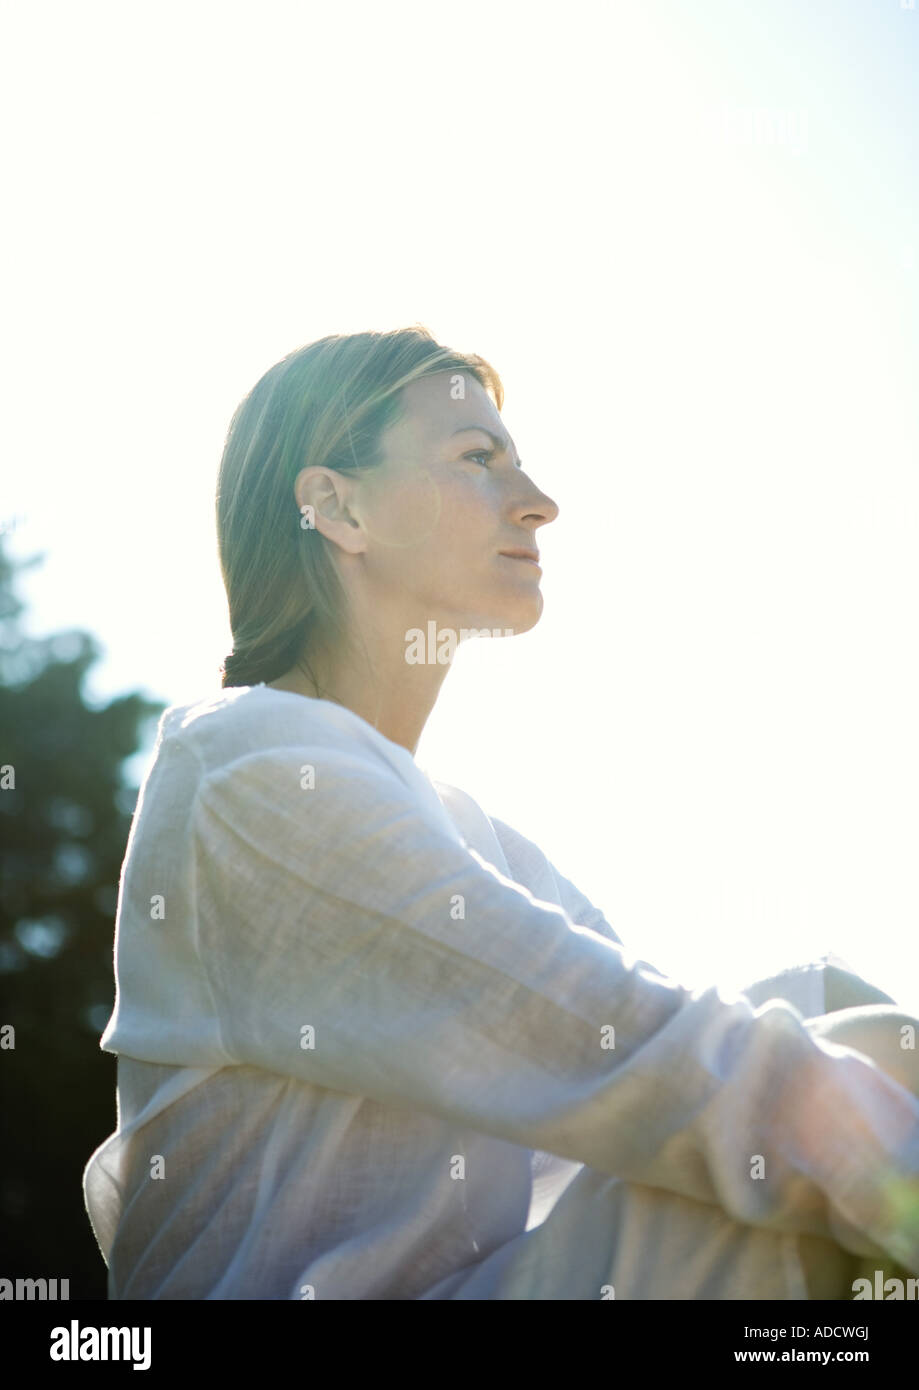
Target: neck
(394,696)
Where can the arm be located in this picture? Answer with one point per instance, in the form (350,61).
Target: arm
(529,866)
(431,981)
(815,987)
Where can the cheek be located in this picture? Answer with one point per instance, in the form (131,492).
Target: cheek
(435,526)
(407,516)
(466,527)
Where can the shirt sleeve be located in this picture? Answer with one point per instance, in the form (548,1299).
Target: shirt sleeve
(813,987)
(351,941)
(528,864)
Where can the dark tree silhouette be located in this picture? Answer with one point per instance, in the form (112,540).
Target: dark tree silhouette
(65,814)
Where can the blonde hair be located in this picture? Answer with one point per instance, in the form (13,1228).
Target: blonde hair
(326,404)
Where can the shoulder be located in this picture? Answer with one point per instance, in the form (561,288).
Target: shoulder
(251,750)
(257,725)
(258,750)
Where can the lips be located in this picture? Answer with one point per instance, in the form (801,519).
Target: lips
(520,554)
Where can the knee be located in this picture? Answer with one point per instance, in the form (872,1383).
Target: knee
(888,1035)
(829,1271)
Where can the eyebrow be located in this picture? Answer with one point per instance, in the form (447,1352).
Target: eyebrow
(499,443)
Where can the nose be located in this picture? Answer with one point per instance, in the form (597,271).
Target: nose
(536,509)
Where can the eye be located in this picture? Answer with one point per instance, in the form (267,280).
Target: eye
(487,454)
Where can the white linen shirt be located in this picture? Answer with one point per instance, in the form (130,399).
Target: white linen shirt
(366,1036)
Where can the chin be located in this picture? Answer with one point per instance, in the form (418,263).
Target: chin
(526,623)
(511,619)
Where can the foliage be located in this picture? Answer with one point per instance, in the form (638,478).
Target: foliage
(65,814)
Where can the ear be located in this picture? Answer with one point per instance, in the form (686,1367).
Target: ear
(330,495)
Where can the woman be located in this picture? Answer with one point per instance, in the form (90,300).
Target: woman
(371,1043)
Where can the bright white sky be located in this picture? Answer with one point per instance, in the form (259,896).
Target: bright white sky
(687,235)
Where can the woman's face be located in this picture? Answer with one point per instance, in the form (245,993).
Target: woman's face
(444,505)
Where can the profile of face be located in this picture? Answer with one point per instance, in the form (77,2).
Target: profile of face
(424,534)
